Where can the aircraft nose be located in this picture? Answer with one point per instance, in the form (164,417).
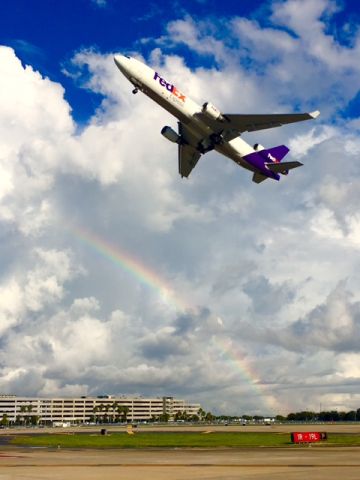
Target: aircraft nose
(121,61)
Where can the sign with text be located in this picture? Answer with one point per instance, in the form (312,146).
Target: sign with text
(308,437)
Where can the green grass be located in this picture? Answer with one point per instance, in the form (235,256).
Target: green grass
(171,440)
(344,439)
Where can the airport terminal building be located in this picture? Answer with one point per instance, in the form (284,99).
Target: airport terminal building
(104,408)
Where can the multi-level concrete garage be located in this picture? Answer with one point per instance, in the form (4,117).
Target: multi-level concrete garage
(85,409)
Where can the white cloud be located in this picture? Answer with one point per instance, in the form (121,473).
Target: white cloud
(324,224)
(308,19)
(349,365)
(33,123)
(195,35)
(266,42)
(31,291)
(301,144)
(10,304)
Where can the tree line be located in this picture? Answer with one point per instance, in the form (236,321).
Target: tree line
(324,416)
(303,416)
(115,413)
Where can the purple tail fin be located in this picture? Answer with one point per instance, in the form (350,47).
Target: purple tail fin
(275,154)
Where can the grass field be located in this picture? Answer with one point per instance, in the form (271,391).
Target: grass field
(173,440)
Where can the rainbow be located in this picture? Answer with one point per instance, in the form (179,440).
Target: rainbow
(131,265)
(151,279)
(269,404)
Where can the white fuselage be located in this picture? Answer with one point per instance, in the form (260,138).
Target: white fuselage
(181,106)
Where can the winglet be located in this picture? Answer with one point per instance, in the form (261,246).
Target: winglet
(314,114)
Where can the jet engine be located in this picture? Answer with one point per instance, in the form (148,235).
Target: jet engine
(212,112)
(258,147)
(170,134)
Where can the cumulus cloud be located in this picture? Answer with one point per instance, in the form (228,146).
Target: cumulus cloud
(333,325)
(258,278)
(34,121)
(330,326)
(305,51)
(309,20)
(301,144)
(267,299)
(31,291)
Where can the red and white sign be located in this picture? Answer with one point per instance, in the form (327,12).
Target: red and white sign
(308,437)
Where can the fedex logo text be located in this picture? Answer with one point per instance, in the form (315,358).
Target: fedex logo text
(272,158)
(169,87)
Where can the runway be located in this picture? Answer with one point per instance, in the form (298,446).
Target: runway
(260,463)
(276,428)
(293,463)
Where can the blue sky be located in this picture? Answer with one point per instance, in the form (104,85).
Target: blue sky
(47,33)
(243,297)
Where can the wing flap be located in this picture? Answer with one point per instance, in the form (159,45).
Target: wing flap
(188,155)
(188,158)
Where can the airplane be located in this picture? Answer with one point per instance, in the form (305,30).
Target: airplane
(204,128)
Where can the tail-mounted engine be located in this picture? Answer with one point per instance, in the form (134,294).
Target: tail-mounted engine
(257,147)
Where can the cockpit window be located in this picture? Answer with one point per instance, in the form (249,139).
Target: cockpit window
(127,56)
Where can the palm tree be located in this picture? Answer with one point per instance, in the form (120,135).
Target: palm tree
(5,420)
(201,414)
(35,419)
(29,410)
(106,416)
(101,409)
(119,412)
(95,412)
(209,417)
(23,409)
(114,408)
(164,417)
(125,410)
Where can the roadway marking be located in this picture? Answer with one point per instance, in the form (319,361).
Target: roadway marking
(10,456)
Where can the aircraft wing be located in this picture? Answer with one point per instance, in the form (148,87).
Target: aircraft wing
(188,158)
(251,123)
(188,153)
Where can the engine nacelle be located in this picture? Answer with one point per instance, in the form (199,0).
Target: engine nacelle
(170,134)
(258,147)
(212,112)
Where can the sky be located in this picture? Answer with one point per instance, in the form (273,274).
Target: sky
(119,277)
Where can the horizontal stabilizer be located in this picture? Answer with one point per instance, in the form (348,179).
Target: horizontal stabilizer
(283,167)
(259,177)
